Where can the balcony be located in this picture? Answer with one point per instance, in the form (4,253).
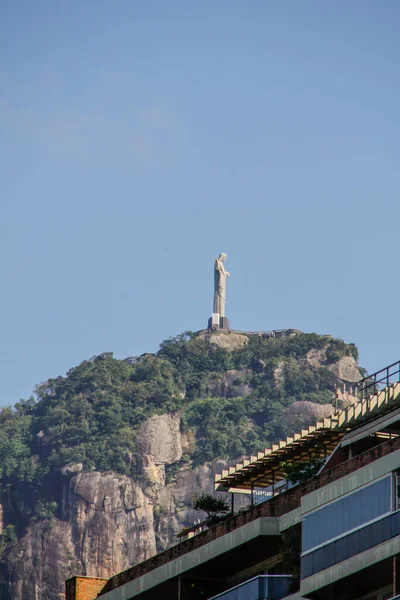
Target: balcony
(263,587)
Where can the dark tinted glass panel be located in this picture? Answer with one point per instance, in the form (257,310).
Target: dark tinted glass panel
(266,587)
(341,549)
(349,545)
(345,514)
(276,587)
(364,539)
(307,565)
(318,560)
(353,543)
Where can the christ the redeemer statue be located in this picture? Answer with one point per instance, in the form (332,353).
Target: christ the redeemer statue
(218,319)
(220,276)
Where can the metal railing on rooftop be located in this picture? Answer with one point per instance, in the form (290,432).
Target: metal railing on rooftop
(262,495)
(195,529)
(378,380)
(371,384)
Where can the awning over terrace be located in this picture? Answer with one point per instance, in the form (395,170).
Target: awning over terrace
(317,441)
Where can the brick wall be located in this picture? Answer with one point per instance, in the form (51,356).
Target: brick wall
(83,588)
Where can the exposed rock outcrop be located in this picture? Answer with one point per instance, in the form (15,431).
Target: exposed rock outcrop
(232,383)
(159,444)
(160,439)
(278,375)
(174,508)
(316,357)
(346,369)
(229,340)
(302,413)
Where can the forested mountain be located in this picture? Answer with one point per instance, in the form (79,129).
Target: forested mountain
(120,446)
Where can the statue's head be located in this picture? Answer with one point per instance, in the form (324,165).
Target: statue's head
(222,256)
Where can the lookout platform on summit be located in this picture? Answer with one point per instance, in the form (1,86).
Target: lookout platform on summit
(273,333)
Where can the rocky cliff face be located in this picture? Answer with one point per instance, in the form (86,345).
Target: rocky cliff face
(107,525)
(109,521)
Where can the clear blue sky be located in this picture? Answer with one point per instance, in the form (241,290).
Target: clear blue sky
(140,138)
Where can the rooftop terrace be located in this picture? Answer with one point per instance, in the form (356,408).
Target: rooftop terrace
(316,441)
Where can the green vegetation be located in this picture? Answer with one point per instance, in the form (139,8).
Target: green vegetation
(8,538)
(290,547)
(45,510)
(301,472)
(232,401)
(211,505)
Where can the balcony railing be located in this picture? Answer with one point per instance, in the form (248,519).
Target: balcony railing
(263,587)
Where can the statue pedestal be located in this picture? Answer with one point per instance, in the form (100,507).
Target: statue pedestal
(223,323)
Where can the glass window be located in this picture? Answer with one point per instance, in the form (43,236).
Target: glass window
(348,513)
(271,587)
